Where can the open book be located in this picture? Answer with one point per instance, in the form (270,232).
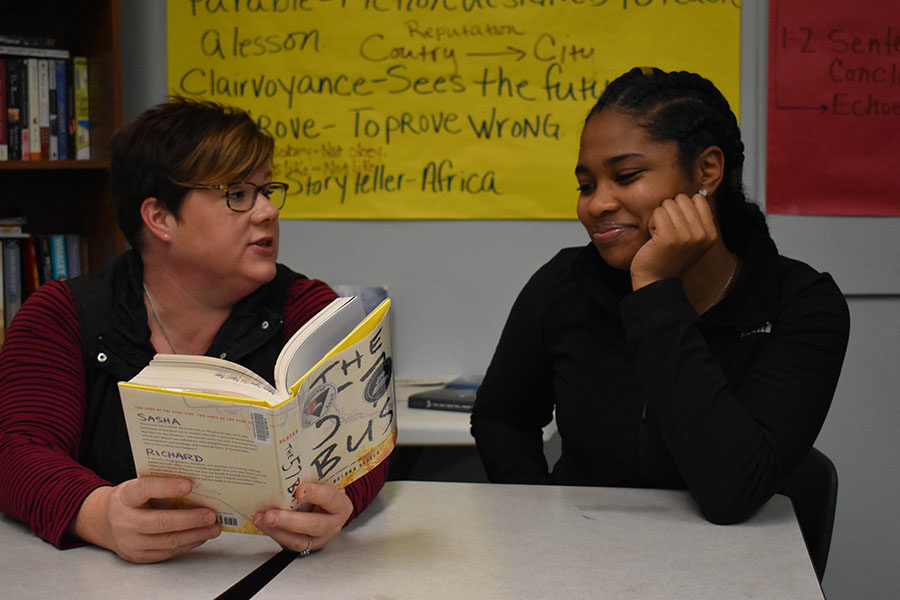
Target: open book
(247,444)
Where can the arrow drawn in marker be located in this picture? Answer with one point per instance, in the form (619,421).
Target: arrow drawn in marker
(822,108)
(519,54)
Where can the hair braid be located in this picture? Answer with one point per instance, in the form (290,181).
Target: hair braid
(688,109)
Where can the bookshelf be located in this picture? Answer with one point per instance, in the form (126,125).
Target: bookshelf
(72,196)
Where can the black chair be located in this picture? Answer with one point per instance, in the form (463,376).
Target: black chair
(813,492)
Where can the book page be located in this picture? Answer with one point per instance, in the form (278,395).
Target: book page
(315,339)
(206,374)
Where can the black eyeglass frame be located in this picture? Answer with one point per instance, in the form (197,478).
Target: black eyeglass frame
(257,189)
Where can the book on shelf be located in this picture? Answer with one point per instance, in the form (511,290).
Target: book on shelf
(31,280)
(82,108)
(62,109)
(73,255)
(58,263)
(34,110)
(44,262)
(52,111)
(44,108)
(457,395)
(60,256)
(16,106)
(12,274)
(247,444)
(12,224)
(4,127)
(38,117)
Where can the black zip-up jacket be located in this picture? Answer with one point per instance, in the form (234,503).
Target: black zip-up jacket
(115,341)
(648,394)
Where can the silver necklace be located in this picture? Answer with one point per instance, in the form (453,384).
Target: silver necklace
(158,320)
(715,300)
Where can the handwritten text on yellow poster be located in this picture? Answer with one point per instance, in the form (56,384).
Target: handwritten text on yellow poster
(434,109)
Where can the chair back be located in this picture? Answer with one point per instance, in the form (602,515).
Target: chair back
(813,492)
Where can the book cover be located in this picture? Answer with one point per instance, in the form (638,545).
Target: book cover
(12,278)
(34,110)
(457,395)
(4,127)
(45,266)
(247,444)
(44,107)
(455,399)
(31,280)
(15,95)
(70,107)
(82,108)
(24,106)
(62,110)
(52,108)
(73,255)
(58,265)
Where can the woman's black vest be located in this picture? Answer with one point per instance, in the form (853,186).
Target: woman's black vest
(115,345)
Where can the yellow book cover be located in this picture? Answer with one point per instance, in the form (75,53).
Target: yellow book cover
(247,444)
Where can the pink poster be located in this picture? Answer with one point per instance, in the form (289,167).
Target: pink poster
(833,141)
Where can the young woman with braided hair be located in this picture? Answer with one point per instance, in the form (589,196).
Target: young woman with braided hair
(678,349)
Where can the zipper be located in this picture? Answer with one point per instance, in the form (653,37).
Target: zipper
(643,459)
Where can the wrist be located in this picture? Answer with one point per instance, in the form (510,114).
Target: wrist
(90,523)
(639,280)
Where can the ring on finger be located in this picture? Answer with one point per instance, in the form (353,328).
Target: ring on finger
(308,547)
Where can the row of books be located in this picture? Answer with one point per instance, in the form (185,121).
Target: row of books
(30,260)
(44,105)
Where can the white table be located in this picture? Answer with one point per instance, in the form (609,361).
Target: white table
(33,569)
(459,540)
(426,427)
(462,540)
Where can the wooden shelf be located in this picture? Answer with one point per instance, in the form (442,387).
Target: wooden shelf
(72,196)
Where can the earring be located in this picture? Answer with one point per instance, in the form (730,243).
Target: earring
(166,235)
(701,191)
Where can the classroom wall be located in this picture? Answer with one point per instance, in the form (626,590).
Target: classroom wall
(453,282)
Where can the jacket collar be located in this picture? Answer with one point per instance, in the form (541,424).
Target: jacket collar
(253,321)
(604,283)
(753,302)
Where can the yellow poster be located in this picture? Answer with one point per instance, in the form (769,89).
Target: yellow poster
(435,109)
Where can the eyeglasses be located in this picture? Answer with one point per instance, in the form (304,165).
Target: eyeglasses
(241,195)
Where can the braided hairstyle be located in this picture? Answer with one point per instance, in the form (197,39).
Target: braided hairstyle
(688,109)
